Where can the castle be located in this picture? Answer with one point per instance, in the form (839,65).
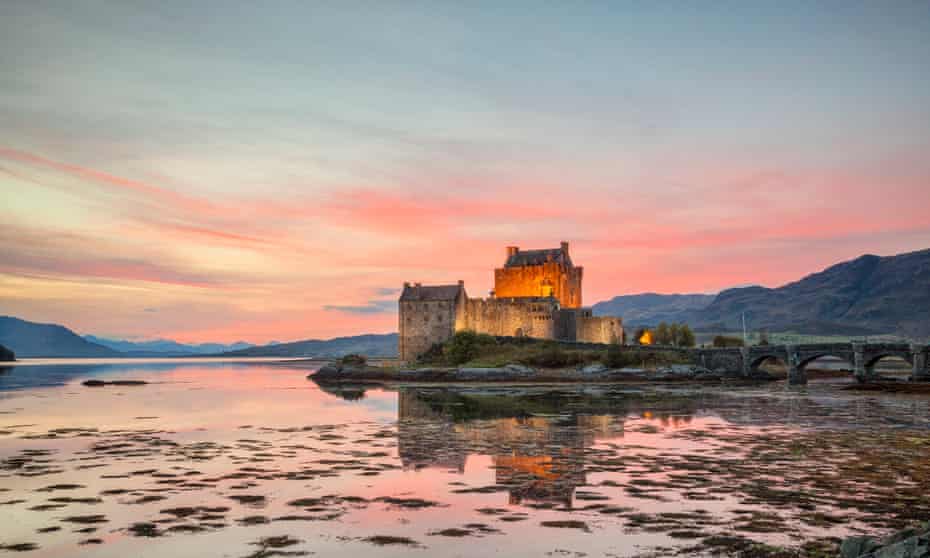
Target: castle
(536,294)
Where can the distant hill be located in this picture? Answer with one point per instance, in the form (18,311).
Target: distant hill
(652,308)
(371,345)
(165,347)
(30,339)
(869,295)
(6,355)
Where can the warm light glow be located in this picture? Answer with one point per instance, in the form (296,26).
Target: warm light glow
(646,338)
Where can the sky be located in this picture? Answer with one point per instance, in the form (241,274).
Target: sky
(259,171)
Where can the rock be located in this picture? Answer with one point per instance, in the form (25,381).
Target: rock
(595,368)
(853,547)
(914,547)
(907,543)
(101,383)
(330,369)
(520,369)
(479,371)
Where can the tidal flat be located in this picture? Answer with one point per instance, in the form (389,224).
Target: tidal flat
(252,460)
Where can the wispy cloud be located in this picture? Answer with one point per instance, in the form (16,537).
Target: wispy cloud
(371,307)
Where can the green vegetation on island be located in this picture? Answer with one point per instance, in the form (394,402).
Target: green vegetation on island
(470,349)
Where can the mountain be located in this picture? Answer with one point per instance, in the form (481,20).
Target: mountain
(30,339)
(165,347)
(866,296)
(651,308)
(371,345)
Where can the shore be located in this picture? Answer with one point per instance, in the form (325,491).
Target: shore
(518,373)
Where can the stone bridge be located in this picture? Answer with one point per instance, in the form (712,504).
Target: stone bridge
(862,358)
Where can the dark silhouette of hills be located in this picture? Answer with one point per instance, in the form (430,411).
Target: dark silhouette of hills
(6,355)
(652,308)
(165,347)
(373,345)
(869,295)
(31,339)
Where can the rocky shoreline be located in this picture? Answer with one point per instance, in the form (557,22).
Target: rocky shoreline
(908,543)
(349,373)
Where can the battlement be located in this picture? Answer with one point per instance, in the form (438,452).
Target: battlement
(536,294)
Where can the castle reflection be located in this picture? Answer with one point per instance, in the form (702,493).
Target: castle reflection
(536,439)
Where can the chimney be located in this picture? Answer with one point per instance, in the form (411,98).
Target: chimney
(461,283)
(512,251)
(406,284)
(565,247)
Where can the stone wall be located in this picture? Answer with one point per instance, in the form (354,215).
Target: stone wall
(599,329)
(528,281)
(424,323)
(578,324)
(512,317)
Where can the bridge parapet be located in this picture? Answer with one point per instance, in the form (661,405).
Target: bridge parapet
(862,358)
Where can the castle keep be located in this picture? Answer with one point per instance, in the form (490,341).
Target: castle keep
(537,293)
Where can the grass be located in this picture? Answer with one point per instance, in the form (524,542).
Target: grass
(470,349)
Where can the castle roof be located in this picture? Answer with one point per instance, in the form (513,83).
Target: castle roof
(431,292)
(538,257)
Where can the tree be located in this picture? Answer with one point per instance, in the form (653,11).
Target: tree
(685,336)
(727,341)
(674,330)
(662,335)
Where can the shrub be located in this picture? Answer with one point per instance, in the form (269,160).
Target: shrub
(685,336)
(727,341)
(617,357)
(465,346)
(354,360)
(552,355)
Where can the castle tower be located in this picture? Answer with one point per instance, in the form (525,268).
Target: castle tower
(540,273)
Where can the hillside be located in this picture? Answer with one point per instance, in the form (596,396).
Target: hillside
(869,295)
(30,339)
(165,347)
(371,345)
(651,308)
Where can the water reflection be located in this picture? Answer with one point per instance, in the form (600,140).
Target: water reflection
(210,459)
(536,438)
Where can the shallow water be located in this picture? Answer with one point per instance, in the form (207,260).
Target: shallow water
(234,459)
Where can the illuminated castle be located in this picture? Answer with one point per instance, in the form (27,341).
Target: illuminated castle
(536,294)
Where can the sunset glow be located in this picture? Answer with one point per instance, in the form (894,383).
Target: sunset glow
(259,175)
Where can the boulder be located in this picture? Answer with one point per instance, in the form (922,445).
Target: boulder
(519,369)
(854,547)
(907,543)
(595,368)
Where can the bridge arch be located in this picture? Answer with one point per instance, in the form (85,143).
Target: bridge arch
(807,359)
(873,359)
(756,362)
